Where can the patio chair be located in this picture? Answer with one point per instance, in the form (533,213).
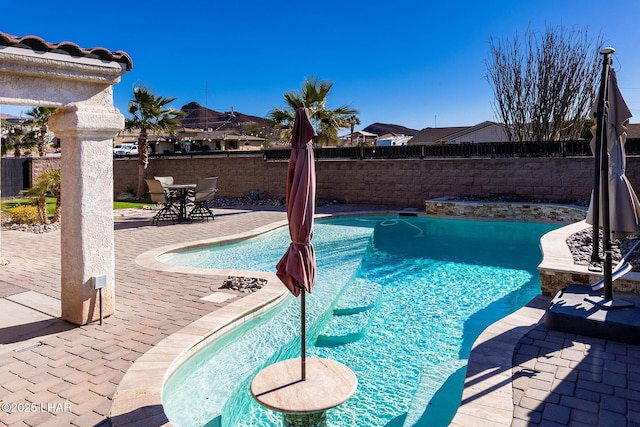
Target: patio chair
(206,189)
(165,180)
(167,208)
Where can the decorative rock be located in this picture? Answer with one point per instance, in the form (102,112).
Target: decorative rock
(34,228)
(243,284)
(580,245)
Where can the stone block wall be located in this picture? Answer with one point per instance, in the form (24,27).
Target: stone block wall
(236,175)
(399,182)
(40,165)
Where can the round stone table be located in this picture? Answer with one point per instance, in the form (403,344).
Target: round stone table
(303,403)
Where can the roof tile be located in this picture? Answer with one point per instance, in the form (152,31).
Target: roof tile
(66,48)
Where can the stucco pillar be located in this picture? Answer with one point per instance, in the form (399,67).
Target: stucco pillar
(86,133)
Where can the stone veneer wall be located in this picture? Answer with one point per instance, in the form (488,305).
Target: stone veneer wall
(552,281)
(400,182)
(532,212)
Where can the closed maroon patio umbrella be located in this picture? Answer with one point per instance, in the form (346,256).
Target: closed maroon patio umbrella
(297,268)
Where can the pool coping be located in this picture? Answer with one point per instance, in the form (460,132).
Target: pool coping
(138,398)
(557,268)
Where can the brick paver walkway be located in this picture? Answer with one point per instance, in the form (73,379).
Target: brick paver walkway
(563,379)
(53,373)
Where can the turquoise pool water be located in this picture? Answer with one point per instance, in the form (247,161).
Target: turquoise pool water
(399,300)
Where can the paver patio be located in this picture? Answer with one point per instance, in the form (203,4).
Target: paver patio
(54,373)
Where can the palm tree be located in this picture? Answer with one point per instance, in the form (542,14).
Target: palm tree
(326,121)
(18,141)
(353,121)
(48,182)
(40,119)
(150,113)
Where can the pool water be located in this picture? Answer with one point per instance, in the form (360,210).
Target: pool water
(399,300)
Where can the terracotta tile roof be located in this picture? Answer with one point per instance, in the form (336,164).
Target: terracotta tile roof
(66,48)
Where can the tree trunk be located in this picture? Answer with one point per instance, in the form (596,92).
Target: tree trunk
(353,126)
(43,218)
(142,170)
(42,143)
(143,162)
(58,211)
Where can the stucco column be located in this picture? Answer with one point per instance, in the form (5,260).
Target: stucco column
(87,239)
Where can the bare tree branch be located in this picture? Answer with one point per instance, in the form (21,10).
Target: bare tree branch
(544,86)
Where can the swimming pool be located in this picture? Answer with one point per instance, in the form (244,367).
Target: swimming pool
(399,300)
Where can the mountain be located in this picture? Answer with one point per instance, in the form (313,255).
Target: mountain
(199,117)
(384,128)
(8,116)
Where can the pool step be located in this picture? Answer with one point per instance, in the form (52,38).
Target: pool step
(344,329)
(352,314)
(361,295)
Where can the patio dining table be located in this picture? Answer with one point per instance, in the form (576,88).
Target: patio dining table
(183,191)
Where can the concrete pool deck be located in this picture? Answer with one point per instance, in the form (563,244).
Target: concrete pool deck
(54,373)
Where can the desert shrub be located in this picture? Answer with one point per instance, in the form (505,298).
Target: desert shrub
(24,214)
(255,194)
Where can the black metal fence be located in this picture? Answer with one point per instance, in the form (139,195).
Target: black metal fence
(14,176)
(192,154)
(481,150)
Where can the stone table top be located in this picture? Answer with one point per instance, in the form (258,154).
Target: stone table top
(279,386)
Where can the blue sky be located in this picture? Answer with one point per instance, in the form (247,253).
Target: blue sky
(414,63)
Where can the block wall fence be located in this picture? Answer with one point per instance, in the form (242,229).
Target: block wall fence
(401,182)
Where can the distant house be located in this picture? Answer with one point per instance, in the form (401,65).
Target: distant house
(359,138)
(392,139)
(482,132)
(223,140)
(189,139)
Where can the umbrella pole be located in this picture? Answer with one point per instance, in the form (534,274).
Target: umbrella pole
(602,121)
(303,338)
(604,177)
(595,232)
(606,221)
(599,161)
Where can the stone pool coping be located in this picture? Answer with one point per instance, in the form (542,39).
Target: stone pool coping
(488,392)
(557,268)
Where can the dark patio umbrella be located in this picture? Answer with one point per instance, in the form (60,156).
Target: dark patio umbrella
(614,205)
(624,205)
(297,268)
